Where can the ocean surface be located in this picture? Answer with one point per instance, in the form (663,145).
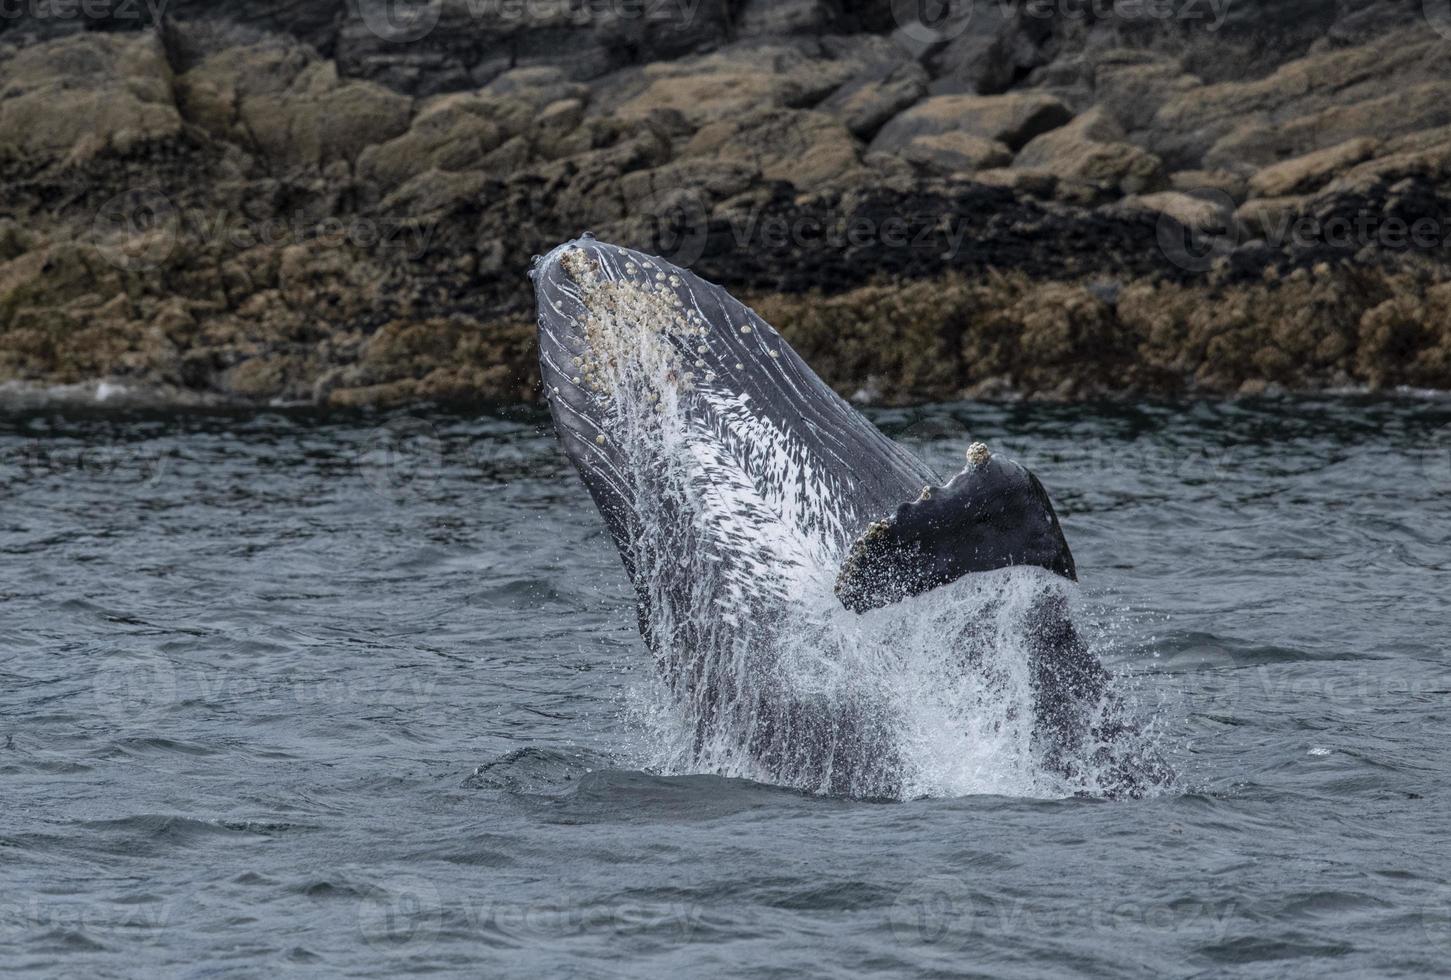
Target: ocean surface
(289,693)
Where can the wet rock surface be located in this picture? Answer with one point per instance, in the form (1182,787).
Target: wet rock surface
(337,203)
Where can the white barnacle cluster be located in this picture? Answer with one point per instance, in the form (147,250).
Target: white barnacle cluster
(639,336)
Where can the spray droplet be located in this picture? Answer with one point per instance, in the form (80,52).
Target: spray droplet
(745,328)
(587,235)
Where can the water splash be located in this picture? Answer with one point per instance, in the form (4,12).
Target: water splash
(732,527)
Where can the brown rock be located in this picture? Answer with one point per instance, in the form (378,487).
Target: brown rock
(288,106)
(805,148)
(865,103)
(1307,173)
(1202,213)
(948,153)
(1013,119)
(452,132)
(1090,151)
(77,97)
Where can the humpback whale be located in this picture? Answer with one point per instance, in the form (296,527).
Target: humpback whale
(771,532)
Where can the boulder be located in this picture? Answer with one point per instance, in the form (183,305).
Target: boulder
(451,132)
(1090,151)
(1307,104)
(1224,181)
(1306,173)
(1012,119)
(77,97)
(1207,213)
(719,86)
(1036,183)
(804,148)
(1418,107)
(866,102)
(947,153)
(292,109)
(987,45)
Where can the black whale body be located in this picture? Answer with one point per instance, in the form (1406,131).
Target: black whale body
(746,497)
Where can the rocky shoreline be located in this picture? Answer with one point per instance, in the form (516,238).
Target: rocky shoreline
(306,203)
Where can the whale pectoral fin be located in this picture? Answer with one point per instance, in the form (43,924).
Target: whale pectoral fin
(994,514)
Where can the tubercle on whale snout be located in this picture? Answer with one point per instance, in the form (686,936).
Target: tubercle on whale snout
(994,514)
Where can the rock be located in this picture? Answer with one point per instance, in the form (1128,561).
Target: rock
(1090,151)
(1201,213)
(1306,104)
(1133,85)
(866,102)
(1010,119)
(955,153)
(718,86)
(1425,154)
(1224,181)
(452,132)
(1415,108)
(805,148)
(1309,172)
(83,96)
(289,107)
(1038,183)
(777,18)
(989,45)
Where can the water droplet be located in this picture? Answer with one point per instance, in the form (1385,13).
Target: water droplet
(587,235)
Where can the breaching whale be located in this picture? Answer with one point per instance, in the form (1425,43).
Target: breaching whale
(767,526)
